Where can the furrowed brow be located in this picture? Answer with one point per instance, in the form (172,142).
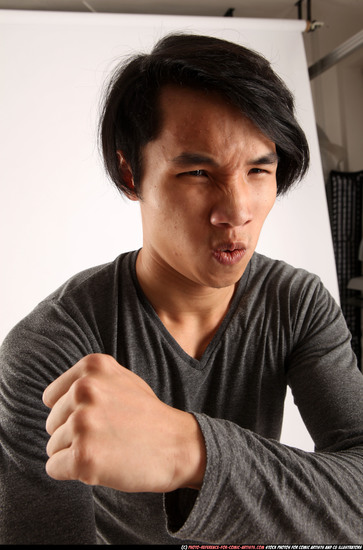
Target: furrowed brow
(187,159)
(270,158)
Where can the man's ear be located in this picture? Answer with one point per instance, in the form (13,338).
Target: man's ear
(127,176)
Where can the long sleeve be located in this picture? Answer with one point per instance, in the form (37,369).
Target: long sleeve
(256,489)
(282,327)
(34,508)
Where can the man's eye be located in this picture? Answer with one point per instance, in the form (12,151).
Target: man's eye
(195,173)
(257,171)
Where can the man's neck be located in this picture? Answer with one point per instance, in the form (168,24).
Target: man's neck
(190,312)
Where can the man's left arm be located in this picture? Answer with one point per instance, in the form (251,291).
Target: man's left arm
(256,489)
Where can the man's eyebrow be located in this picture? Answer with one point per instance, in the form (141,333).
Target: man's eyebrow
(270,158)
(186,159)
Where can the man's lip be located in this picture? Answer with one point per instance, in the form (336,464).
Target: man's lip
(230,253)
(229,246)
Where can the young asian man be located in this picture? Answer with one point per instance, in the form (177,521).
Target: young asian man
(163,374)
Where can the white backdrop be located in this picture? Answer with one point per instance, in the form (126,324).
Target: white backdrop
(58,212)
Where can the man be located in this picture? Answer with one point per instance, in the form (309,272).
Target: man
(164,372)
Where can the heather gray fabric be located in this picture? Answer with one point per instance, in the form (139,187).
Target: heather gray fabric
(282,327)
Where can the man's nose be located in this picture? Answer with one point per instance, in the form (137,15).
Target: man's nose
(232,207)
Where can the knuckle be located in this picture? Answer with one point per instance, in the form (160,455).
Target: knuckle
(96,364)
(49,448)
(83,455)
(83,459)
(93,358)
(49,426)
(84,390)
(81,421)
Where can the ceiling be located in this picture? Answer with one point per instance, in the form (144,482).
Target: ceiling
(278,9)
(281,9)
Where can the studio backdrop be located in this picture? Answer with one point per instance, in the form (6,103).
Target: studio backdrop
(58,212)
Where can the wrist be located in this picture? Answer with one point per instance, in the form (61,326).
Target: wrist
(191,457)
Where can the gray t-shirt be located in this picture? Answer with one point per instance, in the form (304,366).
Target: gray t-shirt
(282,328)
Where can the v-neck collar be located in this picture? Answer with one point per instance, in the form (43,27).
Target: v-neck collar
(198,364)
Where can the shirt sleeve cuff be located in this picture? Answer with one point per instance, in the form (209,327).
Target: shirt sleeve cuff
(187,510)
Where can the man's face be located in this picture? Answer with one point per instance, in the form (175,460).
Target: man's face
(209,181)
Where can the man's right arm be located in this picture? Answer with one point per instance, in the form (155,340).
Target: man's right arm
(102,415)
(36,509)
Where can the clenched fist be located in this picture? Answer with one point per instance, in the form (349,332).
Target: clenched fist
(108,428)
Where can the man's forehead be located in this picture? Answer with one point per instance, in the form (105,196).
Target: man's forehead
(186,106)
(196,127)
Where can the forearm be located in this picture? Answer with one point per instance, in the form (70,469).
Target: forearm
(259,490)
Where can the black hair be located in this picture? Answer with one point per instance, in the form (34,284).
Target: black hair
(131,118)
